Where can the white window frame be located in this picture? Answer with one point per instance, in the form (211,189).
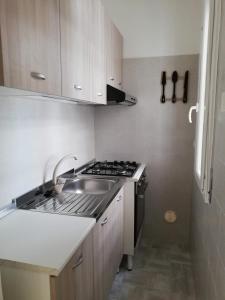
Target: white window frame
(207,94)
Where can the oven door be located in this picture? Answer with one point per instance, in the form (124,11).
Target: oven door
(139,210)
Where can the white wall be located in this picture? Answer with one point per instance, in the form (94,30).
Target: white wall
(157,27)
(34,135)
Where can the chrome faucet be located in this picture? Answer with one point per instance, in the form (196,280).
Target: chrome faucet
(54,178)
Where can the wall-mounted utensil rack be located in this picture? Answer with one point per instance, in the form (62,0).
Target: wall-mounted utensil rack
(175,78)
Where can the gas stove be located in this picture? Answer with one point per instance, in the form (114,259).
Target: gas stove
(112,168)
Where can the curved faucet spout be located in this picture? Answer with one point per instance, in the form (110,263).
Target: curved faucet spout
(54,179)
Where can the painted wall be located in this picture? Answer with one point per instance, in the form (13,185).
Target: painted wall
(157,28)
(208,221)
(34,135)
(158,135)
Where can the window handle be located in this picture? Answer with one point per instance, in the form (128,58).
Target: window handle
(192,108)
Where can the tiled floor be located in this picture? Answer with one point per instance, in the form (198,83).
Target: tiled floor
(160,273)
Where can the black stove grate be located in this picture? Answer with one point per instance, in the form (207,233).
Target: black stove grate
(115,168)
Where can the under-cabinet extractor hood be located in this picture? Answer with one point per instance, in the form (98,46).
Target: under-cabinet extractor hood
(118,97)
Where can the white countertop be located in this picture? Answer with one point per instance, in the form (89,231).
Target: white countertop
(41,241)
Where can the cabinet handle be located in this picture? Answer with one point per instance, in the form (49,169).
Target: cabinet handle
(120,83)
(104,221)
(112,79)
(78,87)
(100,94)
(38,76)
(79,262)
(119,198)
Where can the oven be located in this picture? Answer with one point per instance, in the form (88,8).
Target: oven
(140,188)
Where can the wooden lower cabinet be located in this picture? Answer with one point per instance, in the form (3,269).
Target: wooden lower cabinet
(108,247)
(88,275)
(76,280)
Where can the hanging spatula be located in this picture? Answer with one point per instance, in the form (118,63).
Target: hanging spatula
(163,82)
(185,96)
(174,80)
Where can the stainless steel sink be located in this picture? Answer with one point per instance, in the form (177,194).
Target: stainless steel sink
(92,186)
(81,196)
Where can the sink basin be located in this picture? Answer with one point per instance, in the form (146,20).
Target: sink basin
(89,186)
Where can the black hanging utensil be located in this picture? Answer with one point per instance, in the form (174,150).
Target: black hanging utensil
(185,96)
(163,82)
(174,80)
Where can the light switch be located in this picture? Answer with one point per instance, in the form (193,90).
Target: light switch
(223,102)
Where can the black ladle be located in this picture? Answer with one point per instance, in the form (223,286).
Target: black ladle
(174,80)
(163,82)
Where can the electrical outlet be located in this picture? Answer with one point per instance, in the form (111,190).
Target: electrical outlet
(223,102)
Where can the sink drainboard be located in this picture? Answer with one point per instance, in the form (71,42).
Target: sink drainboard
(67,203)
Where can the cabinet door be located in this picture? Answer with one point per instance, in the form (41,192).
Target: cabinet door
(75,20)
(110,76)
(119,229)
(114,45)
(30,36)
(108,247)
(98,250)
(98,55)
(118,56)
(76,280)
(103,254)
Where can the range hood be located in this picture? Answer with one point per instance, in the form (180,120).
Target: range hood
(118,97)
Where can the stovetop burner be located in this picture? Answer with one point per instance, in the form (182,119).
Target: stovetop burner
(112,168)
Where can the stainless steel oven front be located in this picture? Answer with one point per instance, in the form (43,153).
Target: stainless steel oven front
(140,188)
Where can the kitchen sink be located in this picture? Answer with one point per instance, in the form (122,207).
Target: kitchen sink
(80,196)
(92,186)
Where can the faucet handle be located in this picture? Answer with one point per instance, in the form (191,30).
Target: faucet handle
(54,179)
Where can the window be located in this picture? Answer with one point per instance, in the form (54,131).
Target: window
(205,106)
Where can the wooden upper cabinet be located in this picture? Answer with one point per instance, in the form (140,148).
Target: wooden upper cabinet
(98,53)
(30,39)
(114,55)
(118,56)
(83,52)
(75,18)
(67,48)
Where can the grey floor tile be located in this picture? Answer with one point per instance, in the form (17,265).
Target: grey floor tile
(160,273)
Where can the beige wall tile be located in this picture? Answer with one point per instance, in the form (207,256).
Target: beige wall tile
(158,135)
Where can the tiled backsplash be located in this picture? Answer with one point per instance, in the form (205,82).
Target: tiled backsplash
(34,134)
